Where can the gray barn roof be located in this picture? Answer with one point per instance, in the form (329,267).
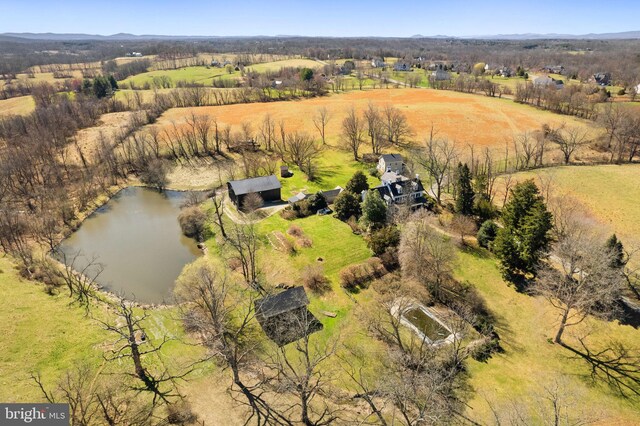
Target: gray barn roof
(391,157)
(280,303)
(248,186)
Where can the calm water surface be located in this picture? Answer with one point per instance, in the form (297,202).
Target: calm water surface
(137,238)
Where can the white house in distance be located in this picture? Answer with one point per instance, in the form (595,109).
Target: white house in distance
(391,163)
(548,82)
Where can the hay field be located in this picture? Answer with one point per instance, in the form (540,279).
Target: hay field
(288,63)
(464,118)
(20,105)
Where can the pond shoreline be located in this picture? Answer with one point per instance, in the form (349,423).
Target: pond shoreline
(140,238)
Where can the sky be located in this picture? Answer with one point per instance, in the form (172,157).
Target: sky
(344,18)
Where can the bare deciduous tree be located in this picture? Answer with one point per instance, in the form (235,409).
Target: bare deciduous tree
(437,158)
(353,132)
(582,282)
(426,255)
(320,121)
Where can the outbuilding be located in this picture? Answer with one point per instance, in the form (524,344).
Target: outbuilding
(267,187)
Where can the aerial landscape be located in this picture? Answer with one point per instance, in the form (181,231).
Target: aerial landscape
(313,214)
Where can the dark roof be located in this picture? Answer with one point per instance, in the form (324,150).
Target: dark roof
(280,303)
(258,184)
(391,157)
(393,190)
(332,193)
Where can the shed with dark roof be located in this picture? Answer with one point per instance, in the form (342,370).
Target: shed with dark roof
(268,187)
(284,317)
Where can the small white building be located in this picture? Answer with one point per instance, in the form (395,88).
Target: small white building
(391,163)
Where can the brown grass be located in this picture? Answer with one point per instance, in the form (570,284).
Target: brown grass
(465,118)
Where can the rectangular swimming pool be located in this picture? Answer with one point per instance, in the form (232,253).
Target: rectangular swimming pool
(425,324)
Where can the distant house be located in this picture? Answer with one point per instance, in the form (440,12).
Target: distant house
(440,75)
(378,63)
(504,72)
(267,187)
(402,190)
(284,317)
(554,69)
(134,54)
(402,66)
(390,163)
(547,81)
(602,78)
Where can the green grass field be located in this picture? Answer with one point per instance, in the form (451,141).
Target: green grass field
(529,361)
(608,194)
(200,75)
(287,63)
(49,335)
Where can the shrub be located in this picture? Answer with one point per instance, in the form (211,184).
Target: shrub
(295,231)
(252,202)
(288,214)
(192,221)
(314,279)
(155,174)
(487,233)
(383,238)
(361,274)
(304,242)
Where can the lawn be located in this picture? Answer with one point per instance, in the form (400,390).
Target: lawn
(21,105)
(529,361)
(40,333)
(608,194)
(49,335)
(335,168)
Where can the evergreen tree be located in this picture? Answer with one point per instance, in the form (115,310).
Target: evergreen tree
(374,210)
(316,202)
(487,233)
(525,236)
(464,190)
(614,245)
(113,83)
(306,74)
(357,183)
(346,205)
(101,87)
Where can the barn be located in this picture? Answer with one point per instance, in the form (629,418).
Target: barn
(268,187)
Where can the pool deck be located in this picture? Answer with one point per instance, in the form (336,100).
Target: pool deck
(406,305)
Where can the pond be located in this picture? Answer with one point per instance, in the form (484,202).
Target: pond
(137,239)
(426,325)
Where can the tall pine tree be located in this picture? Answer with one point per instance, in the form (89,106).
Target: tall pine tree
(464,190)
(524,238)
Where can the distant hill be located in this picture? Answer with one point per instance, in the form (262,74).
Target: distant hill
(627,35)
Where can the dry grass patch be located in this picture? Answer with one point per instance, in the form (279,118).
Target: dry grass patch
(479,120)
